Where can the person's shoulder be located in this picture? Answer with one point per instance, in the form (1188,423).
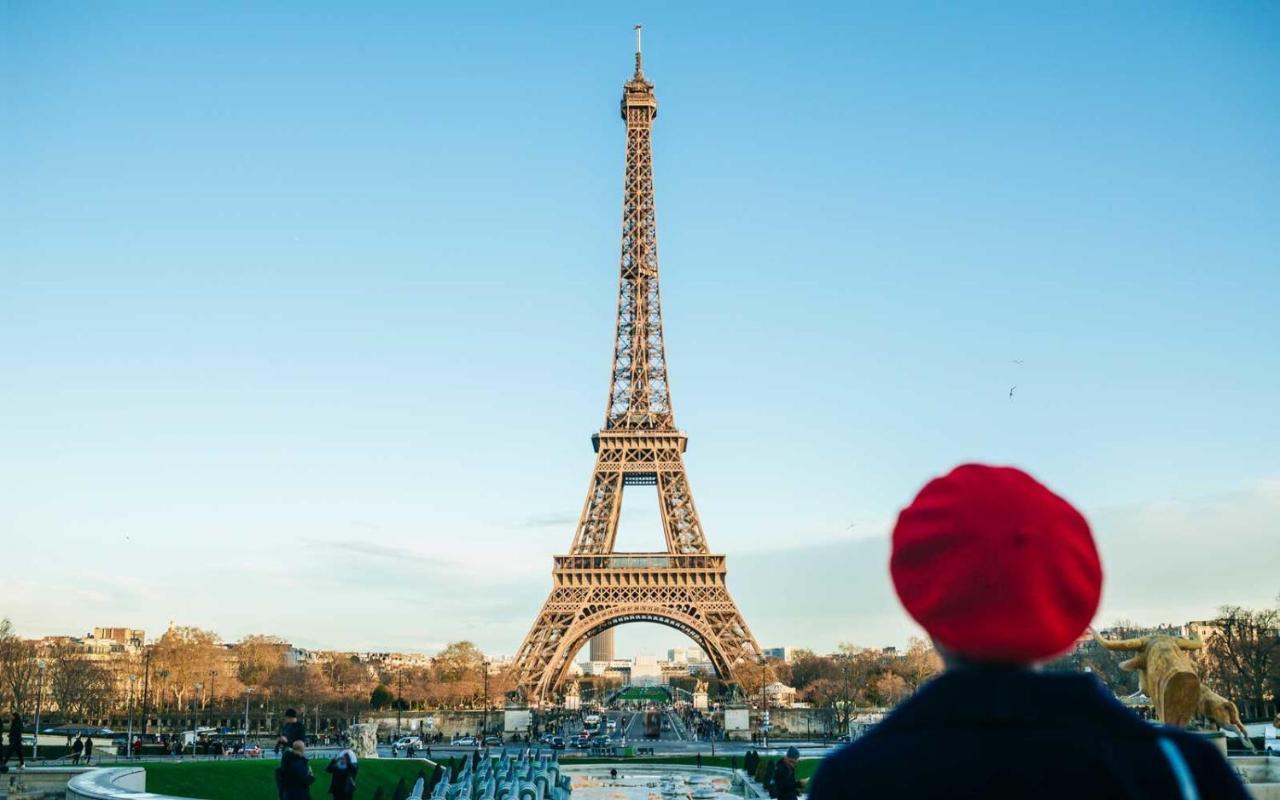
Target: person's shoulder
(1213,774)
(853,764)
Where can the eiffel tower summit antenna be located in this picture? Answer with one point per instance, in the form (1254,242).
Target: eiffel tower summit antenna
(639,68)
(595,588)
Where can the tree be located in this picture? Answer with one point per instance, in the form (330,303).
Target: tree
(808,667)
(890,688)
(257,657)
(183,657)
(1242,658)
(380,697)
(920,663)
(458,661)
(18,669)
(80,687)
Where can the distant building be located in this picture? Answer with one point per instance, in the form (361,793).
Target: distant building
(645,671)
(779,694)
(132,637)
(783,654)
(602,646)
(678,655)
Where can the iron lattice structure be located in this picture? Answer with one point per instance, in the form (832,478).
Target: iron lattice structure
(593,588)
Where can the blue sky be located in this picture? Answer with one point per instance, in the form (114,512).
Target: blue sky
(307,308)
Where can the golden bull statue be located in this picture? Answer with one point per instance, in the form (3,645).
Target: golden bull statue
(1167,676)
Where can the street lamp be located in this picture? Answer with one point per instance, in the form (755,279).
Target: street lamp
(129,742)
(248,691)
(195,717)
(399,698)
(484,730)
(35,744)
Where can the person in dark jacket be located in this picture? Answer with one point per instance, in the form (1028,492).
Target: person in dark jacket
(88,749)
(292,731)
(1004,575)
(77,747)
(15,742)
(294,776)
(785,785)
(343,769)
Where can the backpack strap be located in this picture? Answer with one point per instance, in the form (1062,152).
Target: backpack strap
(1181,772)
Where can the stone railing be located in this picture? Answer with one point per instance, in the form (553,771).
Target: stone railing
(120,783)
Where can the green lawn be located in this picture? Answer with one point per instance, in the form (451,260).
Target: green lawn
(656,694)
(254,779)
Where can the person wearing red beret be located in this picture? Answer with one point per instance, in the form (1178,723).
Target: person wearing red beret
(1004,575)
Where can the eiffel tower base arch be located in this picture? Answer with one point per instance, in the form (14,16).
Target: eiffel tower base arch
(595,593)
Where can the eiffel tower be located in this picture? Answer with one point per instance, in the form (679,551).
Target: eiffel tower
(594,588)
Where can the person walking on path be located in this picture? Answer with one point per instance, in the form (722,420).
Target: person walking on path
(1004,575)
(292,731)
(294,776)
(77,747)
(88,749)
(785,785)
(342,770)
(15,742)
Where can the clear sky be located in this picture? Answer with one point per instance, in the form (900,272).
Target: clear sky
(306,308)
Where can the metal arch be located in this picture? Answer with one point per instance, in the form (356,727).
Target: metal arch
(604,620)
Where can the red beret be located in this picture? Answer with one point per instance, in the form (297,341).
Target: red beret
(995,566)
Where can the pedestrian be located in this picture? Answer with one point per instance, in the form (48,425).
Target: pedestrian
(137,746)
(1004,575)
(294,776)
(699,760)
(88,749)
(15,742)
(77,747)
(292,731)
(342,770)
(785,785)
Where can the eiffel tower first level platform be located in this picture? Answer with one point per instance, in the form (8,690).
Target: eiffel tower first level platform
(594,588)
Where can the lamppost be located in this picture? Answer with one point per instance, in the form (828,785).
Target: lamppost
(129,742)
(484,729)
(195,717)
(764,699)
(248,691)
(399,698)
(146,687)
(35,744)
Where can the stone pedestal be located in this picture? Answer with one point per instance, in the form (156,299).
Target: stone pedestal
(364,739)
(700,701)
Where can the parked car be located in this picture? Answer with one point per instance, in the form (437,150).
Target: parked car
(465,741)
(599,741)
(405,742)
(556,743)
(491,741)
(251,751)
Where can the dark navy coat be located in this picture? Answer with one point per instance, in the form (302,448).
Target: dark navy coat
(1017,733)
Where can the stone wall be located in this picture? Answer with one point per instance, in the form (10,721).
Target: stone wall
(448,723)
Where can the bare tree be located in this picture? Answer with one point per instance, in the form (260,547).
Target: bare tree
(18,669)
(81,688)
(184,657)
(257,657)
(1242,658)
